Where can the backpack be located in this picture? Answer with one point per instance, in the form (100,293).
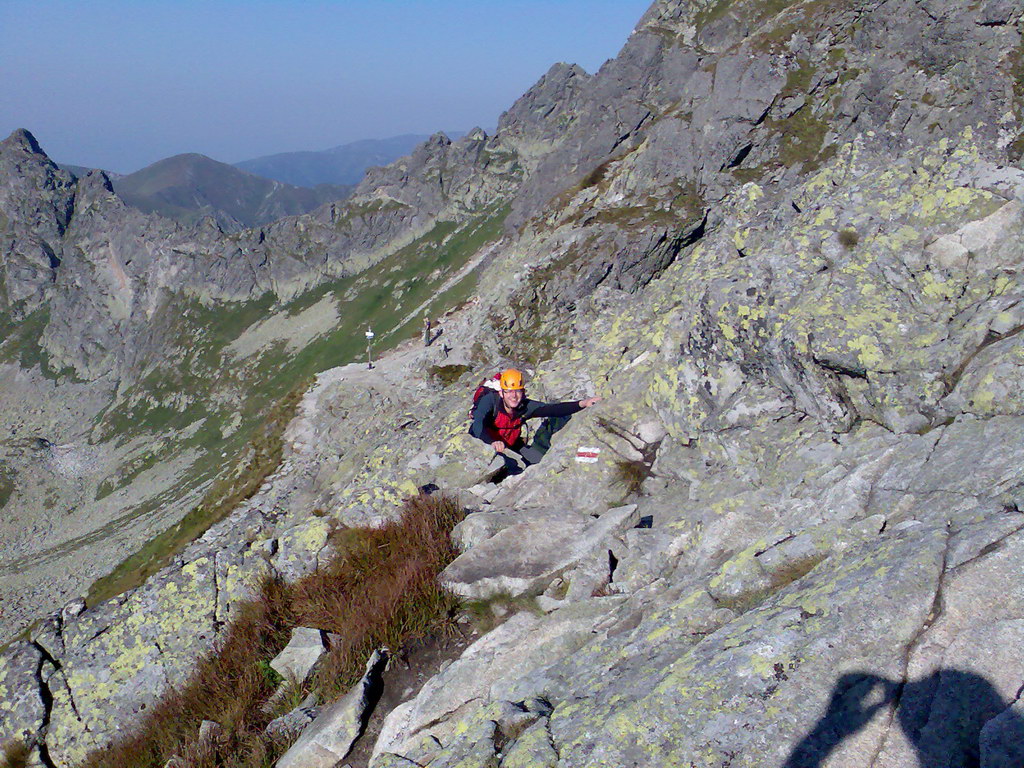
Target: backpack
(489,384)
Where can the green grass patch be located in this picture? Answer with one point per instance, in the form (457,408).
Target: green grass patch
(21,339)
(799,80)
(205,383)
(758,11)
(128,472)
(380,590)
(488,614)
(367,209)
(21,343)
(446,375)
(7,476)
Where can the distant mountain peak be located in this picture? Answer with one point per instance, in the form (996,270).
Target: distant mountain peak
(189,186)
(23,139)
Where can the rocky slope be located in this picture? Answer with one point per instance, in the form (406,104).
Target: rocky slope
(783,242)
(174,341)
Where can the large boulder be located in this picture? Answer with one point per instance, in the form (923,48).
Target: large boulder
(325,742)
(528,555)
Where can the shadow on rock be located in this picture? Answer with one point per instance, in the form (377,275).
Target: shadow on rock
(954,719)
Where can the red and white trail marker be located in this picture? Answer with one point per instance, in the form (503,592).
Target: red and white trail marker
(586,455)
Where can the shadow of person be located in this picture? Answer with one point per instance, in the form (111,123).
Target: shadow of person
(849,710)
(954,719)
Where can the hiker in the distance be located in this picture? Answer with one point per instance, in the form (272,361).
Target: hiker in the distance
(502,407)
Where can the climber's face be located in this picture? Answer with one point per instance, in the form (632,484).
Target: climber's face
(512,398)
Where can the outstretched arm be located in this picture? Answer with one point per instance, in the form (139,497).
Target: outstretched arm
(537,409)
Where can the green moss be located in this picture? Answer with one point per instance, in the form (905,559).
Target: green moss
(684,205)
(21,339)
(744,175)
(759,10)
(365,209)
(799,80)
(848,75)
(835,55)
(713,12)
(802,137)
(488,613)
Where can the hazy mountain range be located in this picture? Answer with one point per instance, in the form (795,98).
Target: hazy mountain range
(344,164)
(188,187)
(191,186)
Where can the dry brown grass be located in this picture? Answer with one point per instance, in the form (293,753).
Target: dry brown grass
(631,474)
(14,754)
(379,590)
(849,238)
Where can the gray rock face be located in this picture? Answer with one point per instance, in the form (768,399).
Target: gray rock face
(37,200)
(525,557)
(288,727)
(304,650)
(23,710)
(326,741)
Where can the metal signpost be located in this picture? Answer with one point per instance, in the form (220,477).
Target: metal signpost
(369,341)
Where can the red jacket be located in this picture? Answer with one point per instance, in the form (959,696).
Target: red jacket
(491,422)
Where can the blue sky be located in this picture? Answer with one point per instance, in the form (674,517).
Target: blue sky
(122,84)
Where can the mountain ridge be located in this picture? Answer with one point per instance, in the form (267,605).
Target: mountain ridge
(189,186)
(782,242)
(344,164)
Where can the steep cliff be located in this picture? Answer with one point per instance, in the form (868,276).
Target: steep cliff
(783,241)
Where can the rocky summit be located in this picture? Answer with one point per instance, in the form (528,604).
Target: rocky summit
(782,241)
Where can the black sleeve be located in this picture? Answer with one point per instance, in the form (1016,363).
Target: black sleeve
(483,409)
(536,409)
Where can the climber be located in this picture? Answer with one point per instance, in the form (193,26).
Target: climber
(498,417)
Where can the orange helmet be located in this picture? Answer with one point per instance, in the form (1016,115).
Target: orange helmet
(511,379)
